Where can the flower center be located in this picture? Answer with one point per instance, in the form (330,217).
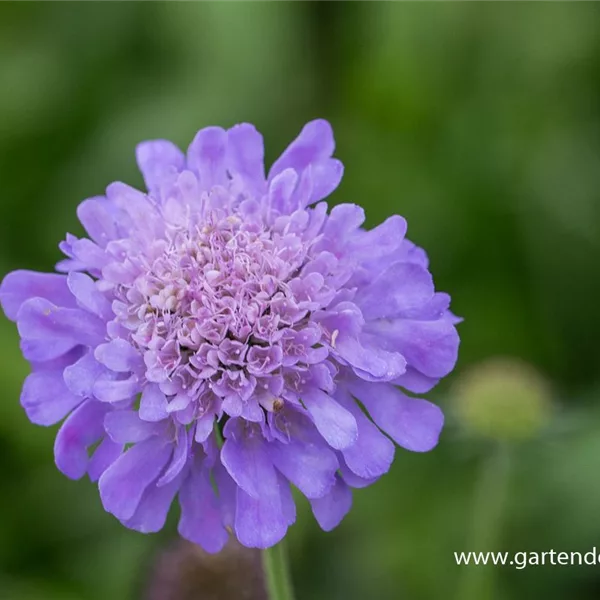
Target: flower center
(222,307)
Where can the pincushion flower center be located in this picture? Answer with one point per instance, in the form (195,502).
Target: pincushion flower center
(212,305)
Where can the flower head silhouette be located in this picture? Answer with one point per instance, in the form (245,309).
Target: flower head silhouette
(211,337)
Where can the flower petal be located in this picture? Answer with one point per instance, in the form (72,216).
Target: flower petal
(204,427)
(159,161)
(310,467)
(431,347)
(343,220)
(200,521)
(151,513)
(333,507)
(260,522)
(138,207)
(88,296)
(368,360)
(435,308)
(81,375)
(281,190)
(401,287)
(352,479)
(126,427)
(88,256)
(60,362)
(416,382)
(227,490)
(105,455)
(413,423)
(179,459)
(326,177)
(153,404)
(83,427)
(124,482)
(288,506)
(385,239)
(206,156)
(39,319)
(247,460)
(372,454)
(120,356)
(99,222)
(410,252)
(110,390)
(20,286)
(245,155)
(315,143)
(46,399)
(45,350)
(336,425)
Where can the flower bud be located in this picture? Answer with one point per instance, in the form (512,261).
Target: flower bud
(503,398)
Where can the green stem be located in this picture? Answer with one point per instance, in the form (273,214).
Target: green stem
(277,573)
(477,582)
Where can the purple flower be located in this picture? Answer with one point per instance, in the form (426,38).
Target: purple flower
(223,303)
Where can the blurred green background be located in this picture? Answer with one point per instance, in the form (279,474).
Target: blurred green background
(480,123)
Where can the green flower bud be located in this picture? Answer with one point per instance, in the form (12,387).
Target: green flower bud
(503,399)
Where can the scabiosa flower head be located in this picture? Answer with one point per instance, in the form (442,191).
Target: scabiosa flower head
(210,339)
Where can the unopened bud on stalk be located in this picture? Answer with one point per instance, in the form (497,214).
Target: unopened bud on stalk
(503,398)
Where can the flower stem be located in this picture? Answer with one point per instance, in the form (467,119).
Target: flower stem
(277,573)
(486,524)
